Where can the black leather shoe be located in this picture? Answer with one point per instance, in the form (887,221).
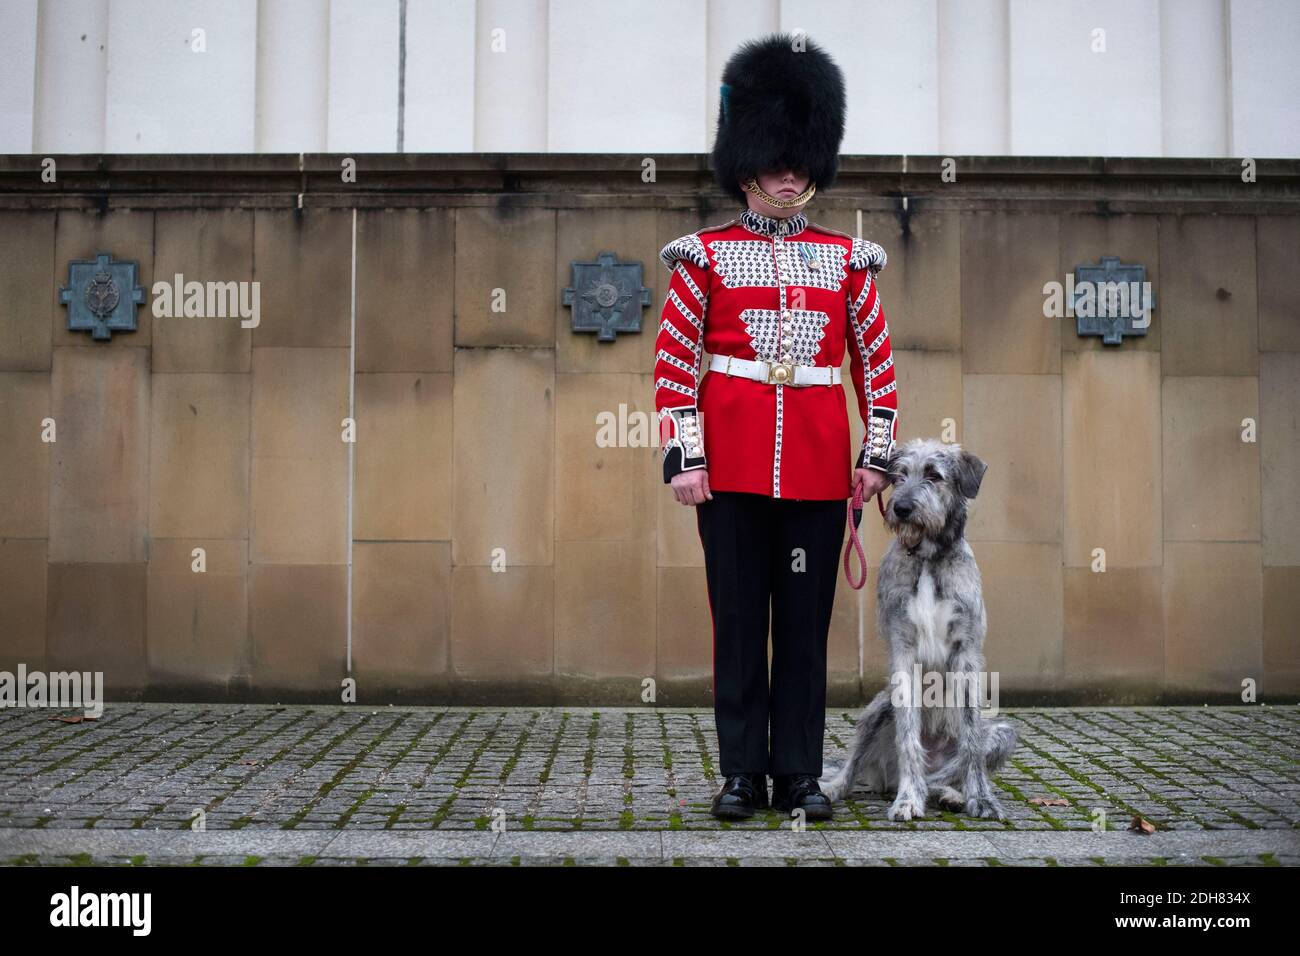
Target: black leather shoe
(760,791)
(800,791)
(739,798)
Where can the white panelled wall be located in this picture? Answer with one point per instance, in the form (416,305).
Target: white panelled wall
(1020,77)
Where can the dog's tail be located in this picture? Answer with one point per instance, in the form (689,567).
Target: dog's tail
(1001,741)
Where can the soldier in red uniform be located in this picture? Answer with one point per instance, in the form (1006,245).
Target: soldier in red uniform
(761,446)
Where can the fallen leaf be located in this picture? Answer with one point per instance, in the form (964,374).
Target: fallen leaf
(1139,825)
(250,763)
(74,719)
(1049,801)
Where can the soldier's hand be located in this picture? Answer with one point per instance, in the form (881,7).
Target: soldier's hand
(872,481)
(692,487)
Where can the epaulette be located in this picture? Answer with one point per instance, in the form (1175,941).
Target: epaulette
(688,247)
(867,255)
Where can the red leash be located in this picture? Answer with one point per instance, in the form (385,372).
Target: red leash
(855,518)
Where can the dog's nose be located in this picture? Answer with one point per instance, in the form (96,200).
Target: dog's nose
(902,509)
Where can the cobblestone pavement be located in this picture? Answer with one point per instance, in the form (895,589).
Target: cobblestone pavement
(315,785)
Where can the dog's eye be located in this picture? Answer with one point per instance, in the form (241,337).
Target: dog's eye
(932,475)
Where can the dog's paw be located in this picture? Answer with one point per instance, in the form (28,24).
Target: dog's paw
(951,800)
(834,788)
(907,806)
(986,808)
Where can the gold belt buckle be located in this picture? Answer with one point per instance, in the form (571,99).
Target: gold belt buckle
(780,373)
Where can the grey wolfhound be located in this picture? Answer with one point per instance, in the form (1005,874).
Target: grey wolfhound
(930,611)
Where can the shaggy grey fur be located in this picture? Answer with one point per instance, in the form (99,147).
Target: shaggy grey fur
(930,612)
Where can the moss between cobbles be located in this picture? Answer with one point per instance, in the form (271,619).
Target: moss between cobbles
(306,860)
(342,773)
(629,751)
(589,757)
(245,820)
(702,748)
(1076,776)
(238,754)
(1173,807)
(252,860)
(1015,792)
(415,742)
(509,766)
(445,809)
(108,759)
(1247,823)
(1214,861)
(1268,859)
(555,749)
(1283,743)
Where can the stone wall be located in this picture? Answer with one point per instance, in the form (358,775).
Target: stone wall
(476,429)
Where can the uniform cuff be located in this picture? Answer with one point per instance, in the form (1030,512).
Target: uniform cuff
(878,444)
(684,451)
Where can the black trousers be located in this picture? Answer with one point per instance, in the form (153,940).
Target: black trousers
(782,553)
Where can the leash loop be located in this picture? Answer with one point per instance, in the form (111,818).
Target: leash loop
(854,543)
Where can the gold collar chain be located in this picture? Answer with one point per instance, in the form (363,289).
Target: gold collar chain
(751,185)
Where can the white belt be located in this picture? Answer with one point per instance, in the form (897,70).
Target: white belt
(776,373)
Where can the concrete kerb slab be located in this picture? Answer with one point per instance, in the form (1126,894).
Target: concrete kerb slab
(1122,844)
(162,843)
(1112,846)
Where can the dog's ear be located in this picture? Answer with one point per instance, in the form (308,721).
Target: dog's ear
(970,472)
(894,455)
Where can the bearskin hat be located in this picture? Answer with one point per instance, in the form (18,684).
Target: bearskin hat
(782,104)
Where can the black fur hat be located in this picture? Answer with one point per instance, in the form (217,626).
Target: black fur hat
(782,104)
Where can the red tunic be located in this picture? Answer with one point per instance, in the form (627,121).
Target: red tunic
(775,290)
